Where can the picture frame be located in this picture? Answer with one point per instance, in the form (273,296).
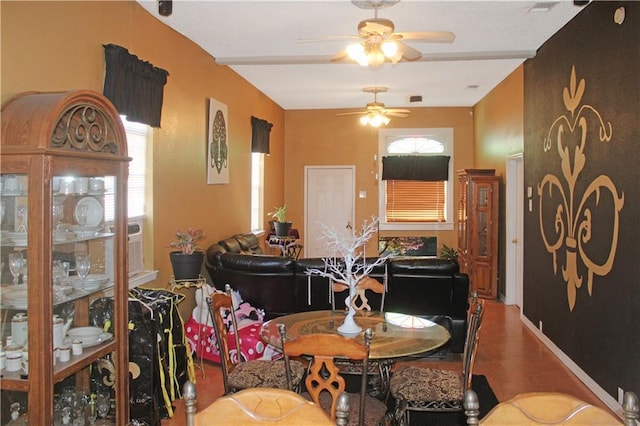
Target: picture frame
(217,143)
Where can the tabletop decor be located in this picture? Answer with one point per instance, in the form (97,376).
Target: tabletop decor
(348,265)
(280,224)
(187,259)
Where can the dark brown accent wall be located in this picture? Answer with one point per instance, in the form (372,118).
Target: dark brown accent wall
(565,120)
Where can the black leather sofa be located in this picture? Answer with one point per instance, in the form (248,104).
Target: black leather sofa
(428,287)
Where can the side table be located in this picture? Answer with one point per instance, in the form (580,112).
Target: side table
(189,284)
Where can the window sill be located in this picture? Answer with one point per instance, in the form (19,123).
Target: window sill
(445,226)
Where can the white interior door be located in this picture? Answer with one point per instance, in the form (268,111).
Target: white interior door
(514,192)
(330,200)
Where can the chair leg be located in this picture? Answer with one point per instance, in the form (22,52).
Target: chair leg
(401,414)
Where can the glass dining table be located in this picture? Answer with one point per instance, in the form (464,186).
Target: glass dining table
(395,335)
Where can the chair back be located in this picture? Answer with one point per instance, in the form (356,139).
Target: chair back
(323,375)
(260,406)
(548,408)
(218,303)
(360,302)
(476,313)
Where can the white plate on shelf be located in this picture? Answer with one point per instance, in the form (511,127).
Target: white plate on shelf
(18,238)
(85,234)
(15,298)
(95,211)
(103,337)
(92,282)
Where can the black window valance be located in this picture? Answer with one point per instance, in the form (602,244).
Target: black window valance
(416,167)
(260,135)
(135,87)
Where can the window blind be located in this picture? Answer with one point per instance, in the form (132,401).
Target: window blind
(415,201)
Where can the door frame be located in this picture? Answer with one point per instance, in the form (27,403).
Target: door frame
(306,193)
(514,216)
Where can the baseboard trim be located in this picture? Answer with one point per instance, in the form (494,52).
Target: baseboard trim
(604,396)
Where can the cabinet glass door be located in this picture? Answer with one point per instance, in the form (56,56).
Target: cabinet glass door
(82,271)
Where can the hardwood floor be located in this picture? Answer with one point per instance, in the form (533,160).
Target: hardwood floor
(509,354)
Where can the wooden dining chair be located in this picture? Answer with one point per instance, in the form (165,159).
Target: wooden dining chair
(238,373)
(437,390)
(261,406)
(324,384)
(379,370)
(548,408)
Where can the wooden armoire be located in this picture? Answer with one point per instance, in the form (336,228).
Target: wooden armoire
(478,198)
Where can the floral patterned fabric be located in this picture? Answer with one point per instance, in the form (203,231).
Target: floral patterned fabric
(425,384)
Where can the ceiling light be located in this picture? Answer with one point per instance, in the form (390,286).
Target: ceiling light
(374,54)
(374,119)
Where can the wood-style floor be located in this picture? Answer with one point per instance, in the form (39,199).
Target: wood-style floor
(509,354)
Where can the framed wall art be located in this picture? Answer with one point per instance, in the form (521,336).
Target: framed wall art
(217,143)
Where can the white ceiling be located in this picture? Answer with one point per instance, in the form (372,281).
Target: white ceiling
(492,39)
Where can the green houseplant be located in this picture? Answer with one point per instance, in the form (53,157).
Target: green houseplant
(448,253)
(281,226)
(187,259)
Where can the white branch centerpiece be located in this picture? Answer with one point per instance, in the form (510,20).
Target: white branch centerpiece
(348,265)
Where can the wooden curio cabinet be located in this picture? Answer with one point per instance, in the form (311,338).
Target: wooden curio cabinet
(478,229)
(64,168)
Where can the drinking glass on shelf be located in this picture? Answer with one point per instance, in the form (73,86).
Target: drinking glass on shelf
(83,264)
(16,261)
(81,216)
(103,404)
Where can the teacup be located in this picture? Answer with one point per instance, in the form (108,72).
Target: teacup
(96,185)
(81,185)
(67,186)
(14,362)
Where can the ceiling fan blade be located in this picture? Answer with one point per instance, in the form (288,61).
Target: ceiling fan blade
(397,114)
(397,110)
(428,36)
(409,53)
(341,56)
(351,113)
(328,38)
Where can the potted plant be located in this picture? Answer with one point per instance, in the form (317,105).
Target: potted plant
(187,259)
(282,227)
(448,253)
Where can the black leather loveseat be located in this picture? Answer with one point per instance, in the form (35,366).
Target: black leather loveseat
(428,287)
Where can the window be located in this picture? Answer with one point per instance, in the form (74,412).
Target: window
(257,183)
(416,204)
(136,185)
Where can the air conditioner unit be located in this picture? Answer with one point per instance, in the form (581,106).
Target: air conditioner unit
(135,245)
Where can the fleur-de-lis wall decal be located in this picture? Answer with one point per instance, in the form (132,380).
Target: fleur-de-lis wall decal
(572,224)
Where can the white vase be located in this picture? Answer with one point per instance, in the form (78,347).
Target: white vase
(349,326)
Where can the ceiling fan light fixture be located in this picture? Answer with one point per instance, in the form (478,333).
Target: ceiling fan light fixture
(376,57)
(390,48)
(357,52)
(374,119)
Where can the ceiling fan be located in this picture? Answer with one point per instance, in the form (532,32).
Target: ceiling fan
(379,41)
(375,114)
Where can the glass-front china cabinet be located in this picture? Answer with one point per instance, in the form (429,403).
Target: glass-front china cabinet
(63,239)
(478,229)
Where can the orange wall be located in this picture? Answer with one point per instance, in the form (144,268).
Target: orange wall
(48,46)
(318,137)
(499,123)
(498,128)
